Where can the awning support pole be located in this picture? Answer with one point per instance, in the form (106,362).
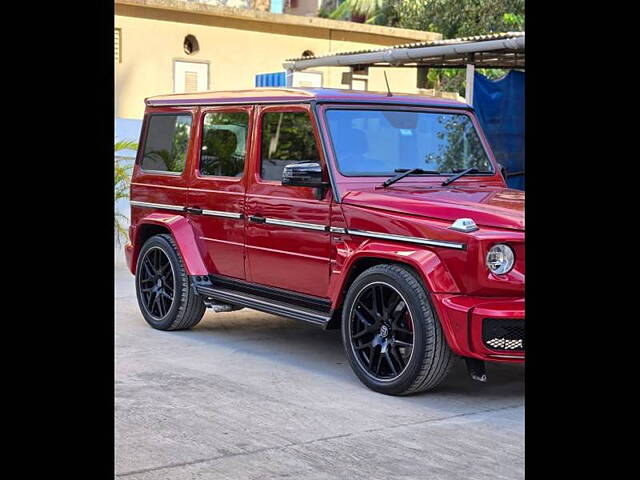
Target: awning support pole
(468,91)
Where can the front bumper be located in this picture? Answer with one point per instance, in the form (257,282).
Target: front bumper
(463,317)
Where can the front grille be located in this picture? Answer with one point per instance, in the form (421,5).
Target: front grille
(503,333)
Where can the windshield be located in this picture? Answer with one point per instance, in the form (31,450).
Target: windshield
(381,142)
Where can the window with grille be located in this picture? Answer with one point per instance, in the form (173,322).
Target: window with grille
(117,47)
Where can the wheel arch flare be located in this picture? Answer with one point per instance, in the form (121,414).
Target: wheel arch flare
(180,229)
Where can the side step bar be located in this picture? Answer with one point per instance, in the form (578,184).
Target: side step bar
(264,304)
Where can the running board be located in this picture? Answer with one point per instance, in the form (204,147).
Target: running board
(264,304)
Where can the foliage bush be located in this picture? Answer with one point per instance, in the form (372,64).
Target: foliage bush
(122,178)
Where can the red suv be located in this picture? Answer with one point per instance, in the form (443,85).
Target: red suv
(385,216)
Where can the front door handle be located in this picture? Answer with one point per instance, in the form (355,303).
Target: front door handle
(194,210)
(257,219)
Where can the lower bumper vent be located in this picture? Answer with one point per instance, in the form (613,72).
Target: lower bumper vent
(503,334)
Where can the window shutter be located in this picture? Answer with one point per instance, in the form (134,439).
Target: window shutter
(117,47)
(190,82)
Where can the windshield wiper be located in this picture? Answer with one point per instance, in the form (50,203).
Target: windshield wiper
(405,172)
(464,172)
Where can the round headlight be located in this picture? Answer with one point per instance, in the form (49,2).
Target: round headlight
(500,259)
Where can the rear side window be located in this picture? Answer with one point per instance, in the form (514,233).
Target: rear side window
(165,147)
(224,144)
(287,137)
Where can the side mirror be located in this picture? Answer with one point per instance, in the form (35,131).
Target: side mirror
(308,174)
(503,171)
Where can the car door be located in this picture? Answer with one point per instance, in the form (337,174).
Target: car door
(287,238)
(217,187)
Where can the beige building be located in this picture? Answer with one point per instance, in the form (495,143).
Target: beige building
(168,46)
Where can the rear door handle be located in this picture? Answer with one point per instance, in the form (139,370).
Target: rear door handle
(194,210)
(257,219)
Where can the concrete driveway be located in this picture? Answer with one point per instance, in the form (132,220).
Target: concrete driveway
(247,395)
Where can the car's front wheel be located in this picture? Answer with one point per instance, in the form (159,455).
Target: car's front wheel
(165,297)
(391,335)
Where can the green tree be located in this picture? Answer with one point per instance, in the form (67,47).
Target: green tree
(122,178)
(460,18)
(451,18)
(379,12)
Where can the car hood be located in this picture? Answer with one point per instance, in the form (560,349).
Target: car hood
(488,206)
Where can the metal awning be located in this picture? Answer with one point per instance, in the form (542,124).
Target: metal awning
(500,50)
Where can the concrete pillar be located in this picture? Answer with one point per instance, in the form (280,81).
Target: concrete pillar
(468,91)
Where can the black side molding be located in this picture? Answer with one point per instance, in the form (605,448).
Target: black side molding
(277,301)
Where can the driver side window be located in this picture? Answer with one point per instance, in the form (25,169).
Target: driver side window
(287,137)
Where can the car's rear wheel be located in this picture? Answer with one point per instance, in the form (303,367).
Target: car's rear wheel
(165,296)
(391,335)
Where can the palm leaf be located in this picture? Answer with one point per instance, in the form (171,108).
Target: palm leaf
(368,9)
(121,182)
(125,145)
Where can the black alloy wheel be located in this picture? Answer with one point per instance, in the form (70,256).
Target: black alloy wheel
(392,337)
(381,330)
(157,283)
(165,296)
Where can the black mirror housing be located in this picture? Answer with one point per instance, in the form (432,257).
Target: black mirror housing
(308,174)
(503,171)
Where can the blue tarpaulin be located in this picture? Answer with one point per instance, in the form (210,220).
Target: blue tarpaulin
(276,79)
(499,106)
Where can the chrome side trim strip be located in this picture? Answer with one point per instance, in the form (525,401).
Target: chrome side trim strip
(312,226)
(220,213)
(403,238)
(289,223)
(136,203)
(507,356)
(213,213)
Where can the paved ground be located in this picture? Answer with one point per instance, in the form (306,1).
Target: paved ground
(247,395)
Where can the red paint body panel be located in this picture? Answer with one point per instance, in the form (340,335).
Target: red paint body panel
(320,263)
(491,206)
(185,238)
(350,249)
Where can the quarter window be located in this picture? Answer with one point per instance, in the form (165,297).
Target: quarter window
(287,137)
(165,147)
(224,146)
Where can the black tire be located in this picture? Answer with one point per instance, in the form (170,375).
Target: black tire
(430,358)
(186,308)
